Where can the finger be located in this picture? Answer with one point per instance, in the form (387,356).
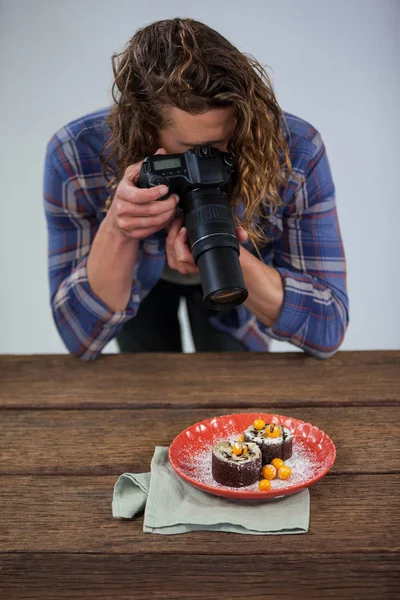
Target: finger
(159,222)
(183,267)
(148,209)
(141,234)
(132,172)
(182,235)
(155,208)
(186,269)
(241,235)
(178,253)
(129,192)
(174,229)
(182,251)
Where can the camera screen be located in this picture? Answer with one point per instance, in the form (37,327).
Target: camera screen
(168,163)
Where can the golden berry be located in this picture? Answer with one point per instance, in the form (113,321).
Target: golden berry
(284,472)
(278,463)
(273,431)
(245,448)
(264,485)
(258,424)
(237,448)
(240,438)
(268,472)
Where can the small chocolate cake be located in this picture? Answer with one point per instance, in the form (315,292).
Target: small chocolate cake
(236,464)
(278,446)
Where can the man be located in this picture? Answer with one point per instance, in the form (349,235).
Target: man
(118,258)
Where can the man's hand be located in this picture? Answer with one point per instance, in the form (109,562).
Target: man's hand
(134,215)
(136,212)
(178,252)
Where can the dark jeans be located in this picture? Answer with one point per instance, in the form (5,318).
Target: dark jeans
(156,326)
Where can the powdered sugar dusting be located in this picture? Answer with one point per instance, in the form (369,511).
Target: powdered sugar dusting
(303,463)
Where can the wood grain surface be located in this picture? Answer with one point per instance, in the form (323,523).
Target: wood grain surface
(238,380)
(69,428)
(196,577)
(67,514)
(102,442)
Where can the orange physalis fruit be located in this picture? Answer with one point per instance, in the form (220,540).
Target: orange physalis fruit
(268,472)
(264,485)
(273,431)
(237,448)
(258,424)
(284,472)
(278,463)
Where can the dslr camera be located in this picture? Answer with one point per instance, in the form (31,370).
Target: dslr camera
(203,178)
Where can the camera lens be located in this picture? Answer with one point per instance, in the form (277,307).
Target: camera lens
(225,296)
(215,249)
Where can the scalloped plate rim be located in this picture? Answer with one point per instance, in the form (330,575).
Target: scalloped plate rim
(240,493)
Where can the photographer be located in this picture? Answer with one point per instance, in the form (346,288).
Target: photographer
(119,259)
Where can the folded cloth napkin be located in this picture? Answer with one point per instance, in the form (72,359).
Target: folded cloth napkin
(174,506)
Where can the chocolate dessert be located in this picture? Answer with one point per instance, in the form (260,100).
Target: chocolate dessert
(274,441)
(236,464)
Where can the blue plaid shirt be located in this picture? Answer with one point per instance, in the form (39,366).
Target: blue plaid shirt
(305,248)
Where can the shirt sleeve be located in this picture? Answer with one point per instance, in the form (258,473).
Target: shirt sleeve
(310,259)
(84,322)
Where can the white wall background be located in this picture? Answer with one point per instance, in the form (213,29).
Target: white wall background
(335,63)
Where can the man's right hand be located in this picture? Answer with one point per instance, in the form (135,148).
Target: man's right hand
(136,212)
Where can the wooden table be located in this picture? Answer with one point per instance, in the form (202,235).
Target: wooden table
(68,429)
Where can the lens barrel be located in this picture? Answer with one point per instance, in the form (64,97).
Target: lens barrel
(215,249)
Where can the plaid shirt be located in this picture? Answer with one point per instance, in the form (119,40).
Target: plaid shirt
(306,248)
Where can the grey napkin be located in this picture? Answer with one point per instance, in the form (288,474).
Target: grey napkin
(174,506)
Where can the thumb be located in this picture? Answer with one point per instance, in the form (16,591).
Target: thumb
(241,235)
(161,151)
(183,235)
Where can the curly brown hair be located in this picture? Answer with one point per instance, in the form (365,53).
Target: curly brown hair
(186,64)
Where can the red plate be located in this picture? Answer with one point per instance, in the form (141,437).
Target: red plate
(315,451)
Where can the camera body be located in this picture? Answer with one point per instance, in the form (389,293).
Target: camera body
(181,173)
(204,177)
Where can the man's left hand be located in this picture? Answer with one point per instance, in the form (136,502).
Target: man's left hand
(179,255)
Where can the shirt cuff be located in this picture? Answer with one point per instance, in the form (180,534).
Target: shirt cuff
(85,323)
